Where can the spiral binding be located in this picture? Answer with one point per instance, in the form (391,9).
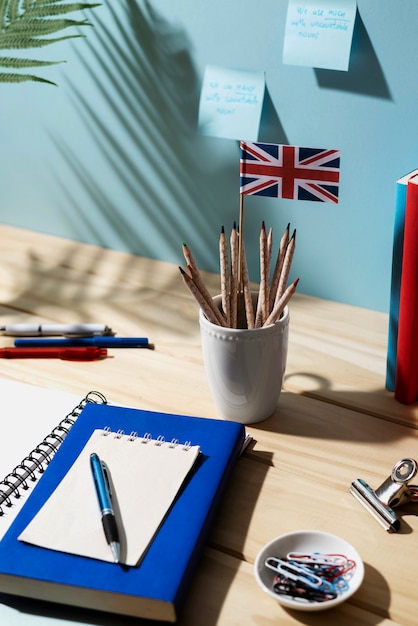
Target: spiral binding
(36,461)
(146,438)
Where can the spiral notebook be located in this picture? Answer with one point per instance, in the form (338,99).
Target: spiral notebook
(33,424)
(155,588)
(146,476)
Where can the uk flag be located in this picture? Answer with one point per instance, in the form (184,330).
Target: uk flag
(282,171)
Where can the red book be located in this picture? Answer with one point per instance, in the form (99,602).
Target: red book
(406,380)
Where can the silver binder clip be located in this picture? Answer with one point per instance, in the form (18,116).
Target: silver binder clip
(393,492)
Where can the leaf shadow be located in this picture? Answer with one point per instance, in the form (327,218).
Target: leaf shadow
(150,89)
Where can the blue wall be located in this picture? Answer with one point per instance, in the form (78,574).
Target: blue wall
(112,156)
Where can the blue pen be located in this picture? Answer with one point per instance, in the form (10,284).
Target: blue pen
(99,342)
(101,482)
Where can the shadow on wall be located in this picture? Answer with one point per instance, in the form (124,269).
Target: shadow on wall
(150,93)
(365,74)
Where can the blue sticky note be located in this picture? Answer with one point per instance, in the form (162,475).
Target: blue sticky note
(230,103)
(319,33)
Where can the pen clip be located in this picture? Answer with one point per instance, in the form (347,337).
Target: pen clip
(79,335)
(106,332)
(107,479)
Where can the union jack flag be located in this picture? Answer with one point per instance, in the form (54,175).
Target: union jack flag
(282,171)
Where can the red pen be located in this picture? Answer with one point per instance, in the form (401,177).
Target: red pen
(84,353)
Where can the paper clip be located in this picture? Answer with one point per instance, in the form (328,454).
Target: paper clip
(317,558)
(299,574)
(333,567)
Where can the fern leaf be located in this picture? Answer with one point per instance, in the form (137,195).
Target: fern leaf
(17,43)
(52,11)
(13,10)
(40,27)
(21,78)
(28,24)
(17,63)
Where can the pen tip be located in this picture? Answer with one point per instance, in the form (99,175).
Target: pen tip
(115,548)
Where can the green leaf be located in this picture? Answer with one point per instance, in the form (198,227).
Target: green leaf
(27,24)
(39,27)
(52,11)
(21,78)
(17,43)
(17,63)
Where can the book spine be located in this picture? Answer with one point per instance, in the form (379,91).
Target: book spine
(36,461)
(395,287)
(406,380)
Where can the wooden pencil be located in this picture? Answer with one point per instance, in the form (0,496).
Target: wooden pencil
(208,309)
(262,303)
(187,253)
(248,300)
(198,280)
(278,266)
(269,246)
(287,264)
(234,276)
(281,303)
(224,271)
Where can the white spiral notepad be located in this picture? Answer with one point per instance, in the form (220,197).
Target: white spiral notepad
(146,476)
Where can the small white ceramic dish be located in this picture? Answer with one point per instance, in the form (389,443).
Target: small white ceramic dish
(307,542)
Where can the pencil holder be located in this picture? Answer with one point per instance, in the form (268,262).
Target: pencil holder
(245,367)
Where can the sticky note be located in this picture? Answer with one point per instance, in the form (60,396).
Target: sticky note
(231,102)
(319,33)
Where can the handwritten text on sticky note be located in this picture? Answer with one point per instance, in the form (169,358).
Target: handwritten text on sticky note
(319,33)
(231,102)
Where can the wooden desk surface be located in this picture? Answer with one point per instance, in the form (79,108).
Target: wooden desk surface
(334,422)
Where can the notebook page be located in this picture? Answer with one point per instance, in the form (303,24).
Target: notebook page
(145,476)
(28,415)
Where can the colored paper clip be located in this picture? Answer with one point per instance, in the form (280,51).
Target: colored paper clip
(317,558)
(299,574)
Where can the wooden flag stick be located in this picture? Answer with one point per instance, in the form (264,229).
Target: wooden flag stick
(240,240)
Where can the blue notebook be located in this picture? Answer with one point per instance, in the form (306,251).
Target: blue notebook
(156,588)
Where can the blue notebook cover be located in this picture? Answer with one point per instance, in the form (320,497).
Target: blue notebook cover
(156,588)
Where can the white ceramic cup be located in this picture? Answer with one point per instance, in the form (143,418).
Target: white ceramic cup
(245,367)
